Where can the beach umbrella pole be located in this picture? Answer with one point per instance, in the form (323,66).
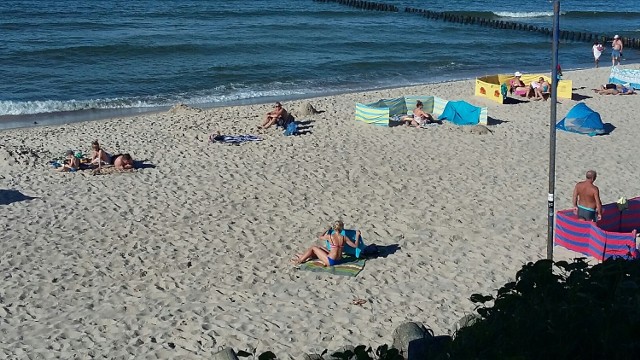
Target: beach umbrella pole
(552,127)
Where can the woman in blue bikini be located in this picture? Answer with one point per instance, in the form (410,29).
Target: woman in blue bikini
(337,241)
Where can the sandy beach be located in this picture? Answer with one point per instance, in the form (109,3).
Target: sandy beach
(180,259)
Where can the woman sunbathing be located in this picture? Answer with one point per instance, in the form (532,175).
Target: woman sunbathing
(517,86)
(337,242)
(420,117)
(614,89)
(99,157)
(539,89)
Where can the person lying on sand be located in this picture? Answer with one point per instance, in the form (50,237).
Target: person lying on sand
(337,241)
(99,157)
(615,89)
(123,161)
(272,117)
(71,164)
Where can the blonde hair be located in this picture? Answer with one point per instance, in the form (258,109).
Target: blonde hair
(338,225)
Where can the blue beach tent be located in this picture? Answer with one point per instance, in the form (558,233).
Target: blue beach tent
(582,120)
(461,113)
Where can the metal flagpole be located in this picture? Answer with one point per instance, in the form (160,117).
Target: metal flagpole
(552,126)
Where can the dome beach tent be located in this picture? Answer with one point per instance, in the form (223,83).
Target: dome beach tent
(381,112)
(582,120)
(461,113)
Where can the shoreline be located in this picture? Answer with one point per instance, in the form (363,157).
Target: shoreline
(69,117)
(193,254)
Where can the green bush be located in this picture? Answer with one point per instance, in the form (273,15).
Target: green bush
(566,311)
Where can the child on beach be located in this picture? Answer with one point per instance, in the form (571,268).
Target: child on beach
(71,164)
(337,241)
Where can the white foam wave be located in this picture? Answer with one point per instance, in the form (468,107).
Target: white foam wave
(51,106)
(529,14)
(54,106)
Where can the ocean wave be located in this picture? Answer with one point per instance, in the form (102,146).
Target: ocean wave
(525,14)
(52,106)
(216,96)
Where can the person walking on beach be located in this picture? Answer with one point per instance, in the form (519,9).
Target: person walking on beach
(616,52)
(597,52)
(586,199)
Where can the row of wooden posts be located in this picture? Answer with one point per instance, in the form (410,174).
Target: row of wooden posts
(480,21)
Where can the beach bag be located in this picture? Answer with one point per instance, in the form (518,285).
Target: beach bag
(291,129)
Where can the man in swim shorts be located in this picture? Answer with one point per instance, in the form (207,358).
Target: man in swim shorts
(586,199)
(616,52)
(272,117)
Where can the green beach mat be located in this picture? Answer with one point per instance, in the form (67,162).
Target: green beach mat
(349,266)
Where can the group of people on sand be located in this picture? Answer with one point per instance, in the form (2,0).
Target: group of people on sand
(615,89)
(537,90)
(99,158)
(279,115)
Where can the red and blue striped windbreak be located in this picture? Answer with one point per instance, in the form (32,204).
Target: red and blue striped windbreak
(613,235)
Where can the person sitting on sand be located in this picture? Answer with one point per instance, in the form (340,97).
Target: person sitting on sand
(538,89)
(99,157)
(615,89)
(123,161)
(337,241)
(71,164)
(420,117)
(517,86)
(545,87)
(272,117)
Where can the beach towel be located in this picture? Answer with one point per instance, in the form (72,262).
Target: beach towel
(292,129)
(233,139)
(348,266)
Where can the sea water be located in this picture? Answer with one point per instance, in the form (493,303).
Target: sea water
(82,59)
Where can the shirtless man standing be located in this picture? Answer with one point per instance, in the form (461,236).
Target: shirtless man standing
(616,52)
(586,199)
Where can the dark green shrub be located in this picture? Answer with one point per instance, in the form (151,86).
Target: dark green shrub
(566,311)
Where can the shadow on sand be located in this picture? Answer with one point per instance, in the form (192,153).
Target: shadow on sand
(375,251)
(10,196)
